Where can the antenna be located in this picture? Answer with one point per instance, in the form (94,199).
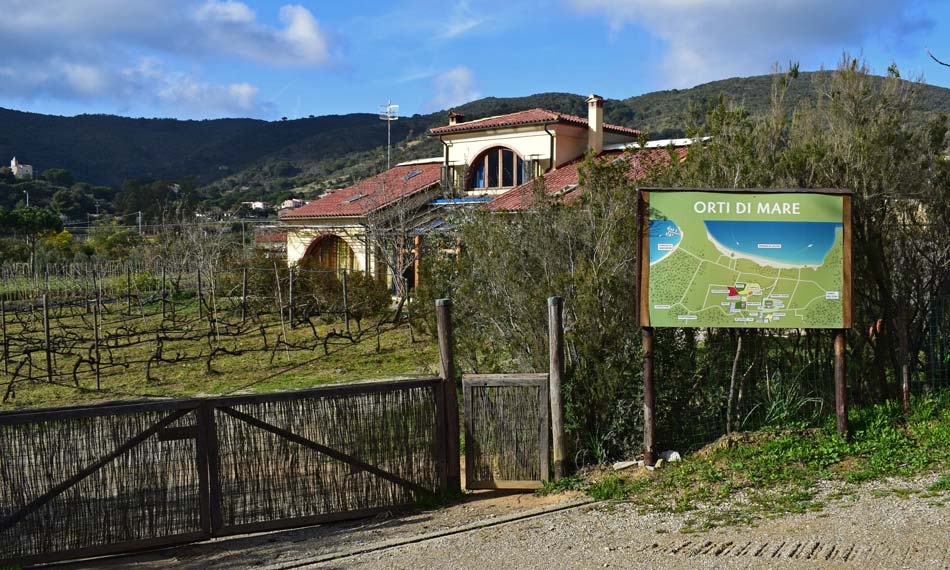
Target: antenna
(388,113)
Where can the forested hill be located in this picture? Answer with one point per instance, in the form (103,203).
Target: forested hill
(246,157)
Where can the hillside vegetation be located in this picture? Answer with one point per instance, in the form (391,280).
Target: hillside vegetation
(243,159)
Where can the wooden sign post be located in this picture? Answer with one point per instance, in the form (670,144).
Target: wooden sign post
(743,258)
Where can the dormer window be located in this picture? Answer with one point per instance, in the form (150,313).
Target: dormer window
(497,167)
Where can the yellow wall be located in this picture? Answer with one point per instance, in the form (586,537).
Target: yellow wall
(532,143)
(299,239)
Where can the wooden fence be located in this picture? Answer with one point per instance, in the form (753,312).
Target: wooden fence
(101,479)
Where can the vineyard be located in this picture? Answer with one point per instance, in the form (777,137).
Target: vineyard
(77,333)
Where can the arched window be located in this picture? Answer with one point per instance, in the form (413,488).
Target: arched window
(497,167)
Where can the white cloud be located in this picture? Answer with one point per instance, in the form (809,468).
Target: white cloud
(303,36)
(462,20)
(711,39)
(185,95)
(453,87)
(231,28)
(93,49)
(228,11)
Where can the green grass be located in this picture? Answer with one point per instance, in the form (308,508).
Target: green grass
(942,485)
(250,370)
(569,483)
(777,472)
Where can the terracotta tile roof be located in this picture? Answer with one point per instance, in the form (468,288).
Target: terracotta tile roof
(372,193)
(564,181)
(529,117)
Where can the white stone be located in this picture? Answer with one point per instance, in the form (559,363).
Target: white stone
(624,465)
(670,456)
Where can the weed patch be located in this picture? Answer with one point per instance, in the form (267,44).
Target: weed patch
(775,474)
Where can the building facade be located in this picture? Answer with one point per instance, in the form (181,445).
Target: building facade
(491,163)
(21,170)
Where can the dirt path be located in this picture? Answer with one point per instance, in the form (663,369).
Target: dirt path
(876,526)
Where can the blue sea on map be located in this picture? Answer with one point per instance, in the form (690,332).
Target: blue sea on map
(802,243)
(664,237)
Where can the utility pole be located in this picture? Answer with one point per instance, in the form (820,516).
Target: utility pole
(388,113)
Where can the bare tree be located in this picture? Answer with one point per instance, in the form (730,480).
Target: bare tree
(391,218)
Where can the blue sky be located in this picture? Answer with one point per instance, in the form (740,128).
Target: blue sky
(270,59)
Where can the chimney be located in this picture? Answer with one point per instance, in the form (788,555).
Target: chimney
(456,118)
(595,123)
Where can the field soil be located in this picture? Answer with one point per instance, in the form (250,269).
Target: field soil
(888,524)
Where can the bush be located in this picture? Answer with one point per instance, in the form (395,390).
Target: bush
(366,296)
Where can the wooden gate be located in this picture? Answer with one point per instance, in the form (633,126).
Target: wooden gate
(94,480)
(287,460)
(104,479)
(506,431)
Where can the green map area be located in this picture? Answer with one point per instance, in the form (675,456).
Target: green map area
(746,260)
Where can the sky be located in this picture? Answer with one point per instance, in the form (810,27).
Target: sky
(199,59)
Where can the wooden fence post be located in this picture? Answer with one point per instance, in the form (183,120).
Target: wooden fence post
(841,394)
(49,348)
(163,292)
(649,400)
(443,314)
(555,379)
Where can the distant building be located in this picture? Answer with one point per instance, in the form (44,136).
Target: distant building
(256,206)
(292,203)
(21,170)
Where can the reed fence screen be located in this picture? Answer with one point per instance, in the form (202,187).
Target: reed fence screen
(507,431)
(101,479)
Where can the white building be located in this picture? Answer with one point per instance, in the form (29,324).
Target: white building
(21,170)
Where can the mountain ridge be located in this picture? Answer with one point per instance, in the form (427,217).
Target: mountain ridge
(235,158)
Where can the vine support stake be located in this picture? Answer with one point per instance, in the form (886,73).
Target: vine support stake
(96,322)
(290,295)
(128,290)
(346,305)
(200,296)
(243,294)
(6,342)
(49,348)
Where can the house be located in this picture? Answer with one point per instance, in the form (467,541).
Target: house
(256,206)
(292,203)
(21,170)
(490,163)
(331,230)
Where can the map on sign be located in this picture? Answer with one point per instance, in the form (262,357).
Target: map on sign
(743,259)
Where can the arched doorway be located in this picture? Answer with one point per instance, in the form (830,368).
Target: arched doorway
(329,252)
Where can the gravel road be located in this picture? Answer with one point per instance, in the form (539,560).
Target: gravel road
(872,527)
